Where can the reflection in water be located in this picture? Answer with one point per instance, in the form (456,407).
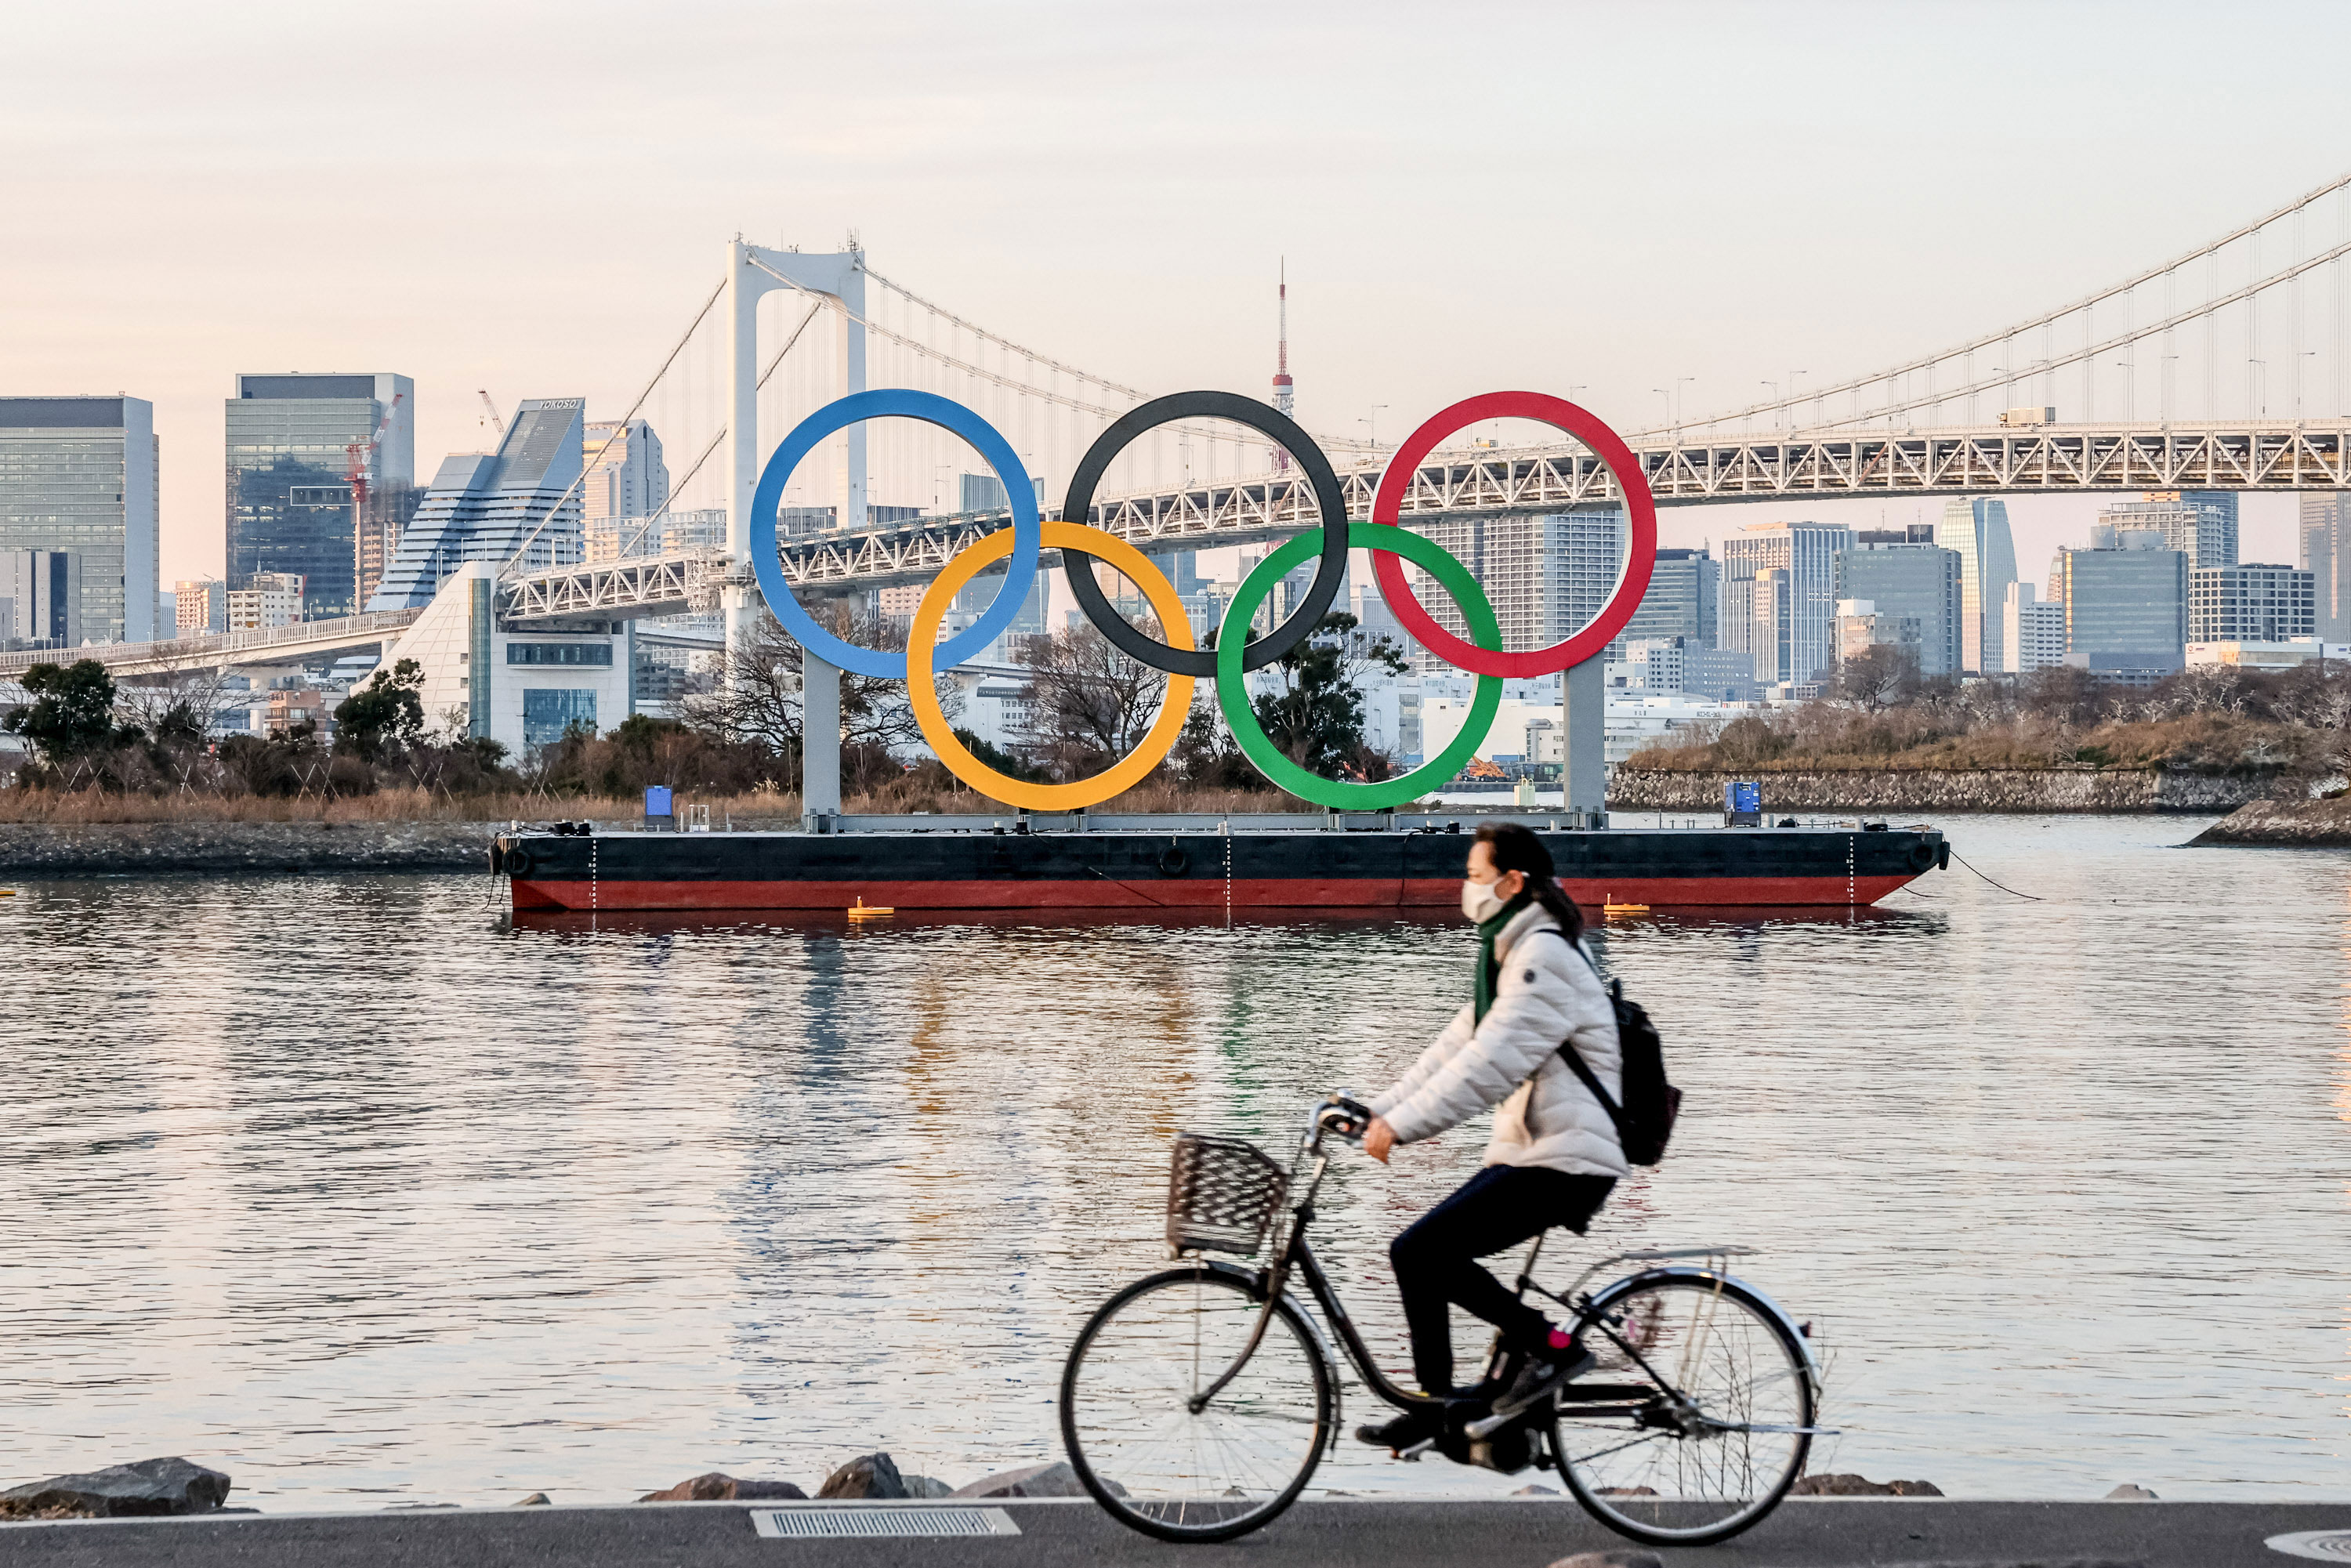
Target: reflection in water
(361,1190)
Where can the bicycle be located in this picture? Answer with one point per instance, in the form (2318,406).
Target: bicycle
(1198,1402)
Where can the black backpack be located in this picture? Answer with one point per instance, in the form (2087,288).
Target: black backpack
(1646,1120)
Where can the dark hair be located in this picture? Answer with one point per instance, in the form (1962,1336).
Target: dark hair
(1516,847)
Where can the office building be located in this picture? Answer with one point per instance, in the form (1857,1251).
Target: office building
(1682,602)
(1663,665)
(1912,578)
(1546,577)
(1862,625)
(2199,524)
(77,476)
(626,475)
(2326,556)
(1977,529)
(2250,603)
(40,597)
(2126,611)
(266,599)
(2032,631)
(294,443)
(980,493)
(1805,642)
(1759,620)
(200,606)
(492,506)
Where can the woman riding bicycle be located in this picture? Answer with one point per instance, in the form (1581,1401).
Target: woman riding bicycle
(1554,1154)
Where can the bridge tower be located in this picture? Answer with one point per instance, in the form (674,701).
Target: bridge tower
(753,271)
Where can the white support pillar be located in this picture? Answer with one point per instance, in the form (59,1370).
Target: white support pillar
(1584,737)
(842,275)
(744,284)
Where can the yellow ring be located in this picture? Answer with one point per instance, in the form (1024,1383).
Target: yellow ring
(923,692)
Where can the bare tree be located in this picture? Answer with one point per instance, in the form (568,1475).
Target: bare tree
(757,696)
(1877,678)
(1086,700)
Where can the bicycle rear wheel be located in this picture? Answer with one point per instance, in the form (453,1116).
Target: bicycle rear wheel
(1164,1468)
(1708,1445)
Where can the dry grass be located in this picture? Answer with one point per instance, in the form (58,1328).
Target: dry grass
(87,808)
(91,807)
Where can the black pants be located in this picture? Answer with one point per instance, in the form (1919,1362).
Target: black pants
(1436,1258)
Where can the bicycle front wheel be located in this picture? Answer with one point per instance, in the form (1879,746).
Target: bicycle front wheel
(1170,1470)
(1704,1433)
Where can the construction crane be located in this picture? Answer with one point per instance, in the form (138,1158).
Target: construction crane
(358,468)
(497,423)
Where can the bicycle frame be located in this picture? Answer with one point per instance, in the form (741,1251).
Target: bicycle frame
(1296,1255)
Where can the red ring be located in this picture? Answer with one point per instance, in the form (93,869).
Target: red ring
(1640,559)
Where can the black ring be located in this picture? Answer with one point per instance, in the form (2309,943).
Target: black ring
(1329,568)
(1174,861)
(518,863)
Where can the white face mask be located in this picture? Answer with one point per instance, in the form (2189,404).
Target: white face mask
(1479,902)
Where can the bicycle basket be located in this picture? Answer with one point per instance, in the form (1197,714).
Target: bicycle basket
(1223,1195)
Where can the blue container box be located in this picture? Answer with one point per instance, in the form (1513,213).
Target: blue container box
(657,800)
(1744,796)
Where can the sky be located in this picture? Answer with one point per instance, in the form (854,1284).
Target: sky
(532,198)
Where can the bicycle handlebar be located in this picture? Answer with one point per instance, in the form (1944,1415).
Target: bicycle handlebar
(1345,1117)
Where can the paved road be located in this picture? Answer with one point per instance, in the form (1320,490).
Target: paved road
(1804,1533)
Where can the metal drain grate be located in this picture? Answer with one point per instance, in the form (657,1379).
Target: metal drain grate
(2326,1545)
(873,1523)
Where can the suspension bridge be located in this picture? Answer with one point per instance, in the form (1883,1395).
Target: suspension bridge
(2228,367)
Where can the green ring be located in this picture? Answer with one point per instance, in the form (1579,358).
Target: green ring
(1232,691)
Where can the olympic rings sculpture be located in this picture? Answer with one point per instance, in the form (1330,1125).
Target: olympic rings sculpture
(1022,545)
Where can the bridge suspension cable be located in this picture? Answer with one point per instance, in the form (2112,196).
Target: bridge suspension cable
(1819,398)
(619,431)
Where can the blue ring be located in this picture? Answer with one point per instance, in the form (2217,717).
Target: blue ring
(1020,571)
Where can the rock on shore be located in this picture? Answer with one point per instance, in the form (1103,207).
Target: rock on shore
(119,1491)
(2286,824)
(716,1486)
(1861,1486)
(236,849)
(1923,790)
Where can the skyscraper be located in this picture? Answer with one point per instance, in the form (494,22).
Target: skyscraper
(2126,610)
(1919,581)
(1545,576)
(40,597)
(630,480)
(2032,631)
(77,476)
(2248,602)
(2326,556)
(291,506)
(489,506)
(1681,602)
(1977,529)
(2199,524)
(1807,552)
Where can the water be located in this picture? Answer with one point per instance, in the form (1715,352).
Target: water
(357,1191)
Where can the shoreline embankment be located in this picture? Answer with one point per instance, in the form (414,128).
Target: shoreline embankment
(242,849)
(1997,789)
(2284,824)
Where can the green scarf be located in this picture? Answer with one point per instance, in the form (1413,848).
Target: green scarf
(1489,969)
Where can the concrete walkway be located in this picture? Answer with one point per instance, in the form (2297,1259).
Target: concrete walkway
(1804,1533)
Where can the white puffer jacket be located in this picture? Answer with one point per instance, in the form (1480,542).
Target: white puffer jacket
(1543,995)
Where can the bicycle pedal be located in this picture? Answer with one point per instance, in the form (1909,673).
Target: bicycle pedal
(1412,1454)
(1492,1424)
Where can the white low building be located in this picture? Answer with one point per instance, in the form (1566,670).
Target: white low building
(520,688)
(2286,655)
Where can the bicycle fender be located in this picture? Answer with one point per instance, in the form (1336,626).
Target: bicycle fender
(1707,1276)
(1254,1278)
